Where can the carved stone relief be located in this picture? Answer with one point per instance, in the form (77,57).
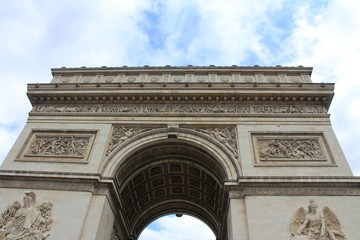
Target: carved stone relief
(58,145)
(315,224)
(226,136)
(120,134)
(181,108)
(28,221)
(290,148)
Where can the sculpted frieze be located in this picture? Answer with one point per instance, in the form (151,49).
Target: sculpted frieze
(26,221)
(181,108)
(315,224)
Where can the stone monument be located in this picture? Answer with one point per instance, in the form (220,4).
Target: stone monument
(106,151)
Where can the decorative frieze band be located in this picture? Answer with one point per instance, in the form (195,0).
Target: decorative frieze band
(181,108)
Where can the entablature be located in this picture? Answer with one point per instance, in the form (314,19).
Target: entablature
(256,93)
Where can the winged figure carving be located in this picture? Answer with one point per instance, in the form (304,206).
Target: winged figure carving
(315,225)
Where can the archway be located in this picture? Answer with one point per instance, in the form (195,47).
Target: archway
(172,175)
(178,227)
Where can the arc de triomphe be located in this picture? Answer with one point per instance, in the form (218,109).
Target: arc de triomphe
(246,150)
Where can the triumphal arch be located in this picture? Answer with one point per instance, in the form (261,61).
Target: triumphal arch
(250,151)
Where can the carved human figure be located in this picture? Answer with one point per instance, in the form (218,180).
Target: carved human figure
(314,221)
(223,136)
(21,226)
(316,225)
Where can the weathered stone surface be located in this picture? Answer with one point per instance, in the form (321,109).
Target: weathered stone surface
(241,148)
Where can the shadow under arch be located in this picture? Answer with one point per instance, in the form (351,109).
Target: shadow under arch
(163,171)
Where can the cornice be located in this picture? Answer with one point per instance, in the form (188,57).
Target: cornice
(108,93)
(183,70)
(294,186)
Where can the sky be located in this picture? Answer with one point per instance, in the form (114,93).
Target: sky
(37,35)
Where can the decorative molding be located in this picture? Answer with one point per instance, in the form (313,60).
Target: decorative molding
(62,146)
(290,149)
(28,222)
(151,108)
(315,224)
(293,186)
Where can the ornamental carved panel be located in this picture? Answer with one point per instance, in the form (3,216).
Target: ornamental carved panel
(283,149)
(69,146)
(121,134)
(226,136)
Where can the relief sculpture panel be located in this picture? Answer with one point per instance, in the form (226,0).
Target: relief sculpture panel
(315,224)
(290,148)
(226,136)
(121,134)
(58,146)
(26,221)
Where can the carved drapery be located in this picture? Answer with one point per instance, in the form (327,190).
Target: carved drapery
(28,221)
(315,224)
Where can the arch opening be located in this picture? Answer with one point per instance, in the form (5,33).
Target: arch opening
(180,227)
(172,176)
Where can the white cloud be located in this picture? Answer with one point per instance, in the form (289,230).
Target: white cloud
(38,35)
(184,228)
(329,40)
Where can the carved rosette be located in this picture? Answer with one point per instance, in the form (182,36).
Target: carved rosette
(226,136)
(28,221)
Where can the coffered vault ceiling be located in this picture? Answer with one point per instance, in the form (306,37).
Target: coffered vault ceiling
(171,177)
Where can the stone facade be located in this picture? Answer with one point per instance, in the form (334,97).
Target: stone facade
(243,149)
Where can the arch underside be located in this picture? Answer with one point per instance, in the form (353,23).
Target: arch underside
(172,177)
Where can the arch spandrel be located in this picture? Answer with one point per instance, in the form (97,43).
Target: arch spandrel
(220,153)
